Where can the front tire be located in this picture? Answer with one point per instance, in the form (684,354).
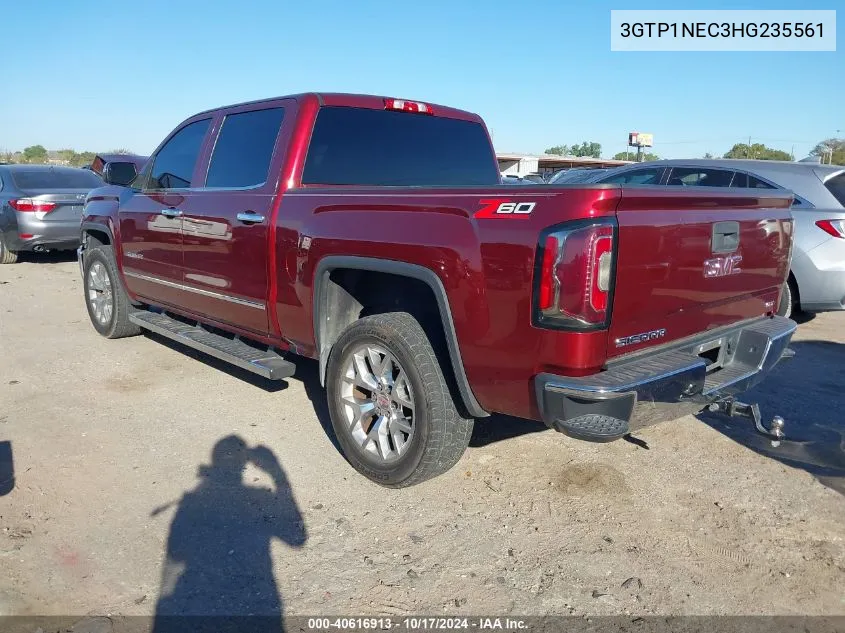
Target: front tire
(390,405)
(6,256)
(106,299)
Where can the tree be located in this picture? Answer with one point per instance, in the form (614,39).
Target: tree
(35,154)
(67,154)
(632,155)
(832,149)
(558,150)
(586,149)
(84,158)
(708,155)
(120,150)
(758,151)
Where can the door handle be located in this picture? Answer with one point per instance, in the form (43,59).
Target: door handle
(171,213)
(251,218)
(725,237)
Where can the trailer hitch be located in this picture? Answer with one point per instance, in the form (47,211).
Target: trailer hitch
(736,409)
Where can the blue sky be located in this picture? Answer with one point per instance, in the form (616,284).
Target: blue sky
(101,75)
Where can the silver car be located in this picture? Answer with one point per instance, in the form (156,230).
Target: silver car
(817,276)
(40,207)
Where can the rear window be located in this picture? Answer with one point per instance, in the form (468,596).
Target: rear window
(836,186)
(356,146)
(55,179)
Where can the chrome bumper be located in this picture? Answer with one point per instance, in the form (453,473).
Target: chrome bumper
(667,384)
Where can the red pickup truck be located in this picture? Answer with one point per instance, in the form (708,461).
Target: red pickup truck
(373,235)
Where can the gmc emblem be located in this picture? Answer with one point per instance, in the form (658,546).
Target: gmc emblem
(722,266)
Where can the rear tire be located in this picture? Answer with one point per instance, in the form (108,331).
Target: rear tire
(390,404)
(7,256)
(105,297)
(787,300)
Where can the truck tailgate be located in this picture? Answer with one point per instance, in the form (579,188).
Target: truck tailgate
(695,259)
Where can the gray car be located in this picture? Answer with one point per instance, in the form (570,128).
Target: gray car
(817,275)
(40,207)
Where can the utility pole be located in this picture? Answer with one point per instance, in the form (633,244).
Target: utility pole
(748,151)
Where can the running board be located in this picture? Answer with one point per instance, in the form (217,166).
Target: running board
(266,362)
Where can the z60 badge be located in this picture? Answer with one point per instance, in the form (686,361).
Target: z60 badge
(504,208)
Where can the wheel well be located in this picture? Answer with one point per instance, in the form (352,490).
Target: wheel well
(793,284)
(99,237)
(348,294)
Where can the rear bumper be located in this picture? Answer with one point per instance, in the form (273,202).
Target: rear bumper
(821,277)
(653,387)
(58,235)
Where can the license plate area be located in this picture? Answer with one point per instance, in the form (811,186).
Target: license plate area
(717,353)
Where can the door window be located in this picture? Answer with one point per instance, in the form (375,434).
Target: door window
(174,164)
(244,148)
(699,177)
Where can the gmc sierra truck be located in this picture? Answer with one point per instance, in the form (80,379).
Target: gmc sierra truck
(373,235)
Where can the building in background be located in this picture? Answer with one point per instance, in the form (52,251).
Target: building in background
(511,164)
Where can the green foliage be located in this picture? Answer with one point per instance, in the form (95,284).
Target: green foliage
(758,151)
(632,155)
(586,149)
(35,154)
(83,158)
(558,150)
(831,150)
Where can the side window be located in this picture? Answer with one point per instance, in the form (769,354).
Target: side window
(740,180)
(244,147)
(836,186)
(756,183)
(174,164)
(699,177)
(647,176)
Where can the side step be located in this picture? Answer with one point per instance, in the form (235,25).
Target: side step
(593,427)
(265,363)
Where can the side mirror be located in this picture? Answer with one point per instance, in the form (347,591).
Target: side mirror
(119,173)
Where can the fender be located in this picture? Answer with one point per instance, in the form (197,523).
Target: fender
(403,269)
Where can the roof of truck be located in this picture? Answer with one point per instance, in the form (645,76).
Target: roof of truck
(354,101)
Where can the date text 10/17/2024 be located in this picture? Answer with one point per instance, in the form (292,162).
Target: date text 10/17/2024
(416,624)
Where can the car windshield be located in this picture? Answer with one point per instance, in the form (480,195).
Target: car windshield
(26,179)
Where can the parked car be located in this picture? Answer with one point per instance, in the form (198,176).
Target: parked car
(535,178)
(578,174)
(327,226)
(40,208)
(515,180)
(817,275)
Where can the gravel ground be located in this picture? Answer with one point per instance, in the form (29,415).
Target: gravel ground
(119,508)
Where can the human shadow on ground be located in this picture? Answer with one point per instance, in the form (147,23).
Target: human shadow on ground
(218,572)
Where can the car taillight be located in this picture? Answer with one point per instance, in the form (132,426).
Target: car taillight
(836,228)
(575,276)
(33,206)
(407,106)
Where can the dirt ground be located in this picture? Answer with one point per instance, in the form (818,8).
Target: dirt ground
(119,508)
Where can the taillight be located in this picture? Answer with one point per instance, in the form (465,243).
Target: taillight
(407,106)
(836,228)
(32,206)
(575,277)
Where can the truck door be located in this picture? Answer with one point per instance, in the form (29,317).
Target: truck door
(227,221)
(150,217)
